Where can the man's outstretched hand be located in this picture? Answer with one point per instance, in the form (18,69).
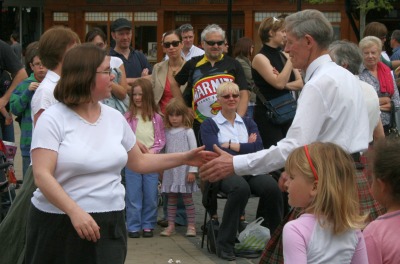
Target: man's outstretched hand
(218,168)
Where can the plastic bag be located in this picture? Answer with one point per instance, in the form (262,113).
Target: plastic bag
(254,237)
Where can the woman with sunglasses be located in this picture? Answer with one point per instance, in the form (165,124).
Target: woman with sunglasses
(238,135)
(164,72)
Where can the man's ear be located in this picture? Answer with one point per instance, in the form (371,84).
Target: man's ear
(113,35)
(309,40)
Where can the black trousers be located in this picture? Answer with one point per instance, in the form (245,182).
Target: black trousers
(238,190)
(51,238)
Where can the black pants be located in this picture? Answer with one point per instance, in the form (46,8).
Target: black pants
(51,238)
(238,190)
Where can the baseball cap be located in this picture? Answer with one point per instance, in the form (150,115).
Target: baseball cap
(120,23)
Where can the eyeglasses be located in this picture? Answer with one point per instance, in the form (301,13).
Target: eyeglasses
(314,171)
(38,64)
(228,96)
(173,43)
(212,43)
(383,37)
(106,71)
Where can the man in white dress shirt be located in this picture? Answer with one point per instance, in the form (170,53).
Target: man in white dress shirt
(330,107)
(189,50)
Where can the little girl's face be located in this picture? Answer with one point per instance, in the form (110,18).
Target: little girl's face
(137,96)
(300,190)
(175,120)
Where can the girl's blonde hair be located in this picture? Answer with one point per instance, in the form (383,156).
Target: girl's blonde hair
(177,107)
(336,203)
(149,107)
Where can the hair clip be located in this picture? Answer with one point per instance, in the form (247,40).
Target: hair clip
(275,20)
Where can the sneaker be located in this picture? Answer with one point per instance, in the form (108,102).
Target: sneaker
(191,231)
(133,234)
(147,233)
(168,232)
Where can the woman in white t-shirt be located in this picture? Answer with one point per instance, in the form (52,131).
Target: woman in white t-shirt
(79,147)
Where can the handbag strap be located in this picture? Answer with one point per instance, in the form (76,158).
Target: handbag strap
(257,91)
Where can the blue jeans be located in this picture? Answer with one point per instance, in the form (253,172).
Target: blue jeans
(141,200)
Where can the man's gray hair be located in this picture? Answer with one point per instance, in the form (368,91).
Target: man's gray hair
(213,28)
(310,22)
(347,55)
(396,35)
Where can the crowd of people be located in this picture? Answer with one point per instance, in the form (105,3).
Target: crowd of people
(100,127)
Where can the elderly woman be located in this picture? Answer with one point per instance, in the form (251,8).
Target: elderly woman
(274,75)
(164,72)
(238,135)
(377,74)
(80,199)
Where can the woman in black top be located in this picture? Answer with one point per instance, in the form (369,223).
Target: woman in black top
(274,75)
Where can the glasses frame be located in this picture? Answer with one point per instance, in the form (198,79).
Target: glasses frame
(109,72)
(212,43)
(174,44)
(229,96)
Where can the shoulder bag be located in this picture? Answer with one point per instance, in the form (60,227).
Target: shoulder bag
(280,110)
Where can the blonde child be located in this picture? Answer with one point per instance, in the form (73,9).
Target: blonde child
(381,235)
(141,189)
(179,137)
(322,181)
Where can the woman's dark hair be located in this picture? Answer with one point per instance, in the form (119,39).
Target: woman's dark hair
(94,33)
(243,48)
(78,74)
(172,32)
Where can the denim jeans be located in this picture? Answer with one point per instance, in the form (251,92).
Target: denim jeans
(141,200)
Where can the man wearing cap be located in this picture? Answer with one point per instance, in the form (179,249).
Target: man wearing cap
(136,64)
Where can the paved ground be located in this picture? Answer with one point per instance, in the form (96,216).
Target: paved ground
(174,249)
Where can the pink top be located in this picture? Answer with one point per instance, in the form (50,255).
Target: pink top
(305,241)
(382,239)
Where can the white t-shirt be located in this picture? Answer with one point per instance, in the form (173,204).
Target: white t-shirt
(43,97)
(115,62)
(90,157)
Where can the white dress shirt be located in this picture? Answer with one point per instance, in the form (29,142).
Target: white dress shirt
(331,108)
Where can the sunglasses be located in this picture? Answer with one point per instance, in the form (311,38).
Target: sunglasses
(173,43)
(229,96)
(212,43)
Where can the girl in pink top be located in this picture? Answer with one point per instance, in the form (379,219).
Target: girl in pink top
(382,235)
(142,189)
(322,181)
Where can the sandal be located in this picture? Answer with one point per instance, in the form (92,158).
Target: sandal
(191,231)
(168,232)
